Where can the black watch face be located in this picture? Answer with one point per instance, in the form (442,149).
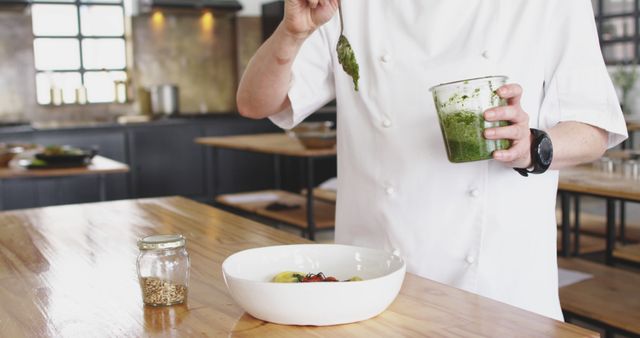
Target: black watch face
(545,151)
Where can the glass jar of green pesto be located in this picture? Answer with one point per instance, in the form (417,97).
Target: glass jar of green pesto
(460,106)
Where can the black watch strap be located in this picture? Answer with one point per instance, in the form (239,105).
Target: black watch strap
(541,153)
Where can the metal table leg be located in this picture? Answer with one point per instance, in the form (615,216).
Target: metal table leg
(623,236)
(1,196)
(311,225)
(276,172)
(565,231)
(212,175)
(576,225)
(102,182)
(611,230)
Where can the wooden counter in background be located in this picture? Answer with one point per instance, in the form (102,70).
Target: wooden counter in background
(589,181)
(99,165)
(585,180)
(272,143)
(279,145)
(70,271)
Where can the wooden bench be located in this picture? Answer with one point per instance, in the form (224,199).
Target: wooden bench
(611,299)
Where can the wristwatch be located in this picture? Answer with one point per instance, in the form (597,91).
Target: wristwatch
(541,154)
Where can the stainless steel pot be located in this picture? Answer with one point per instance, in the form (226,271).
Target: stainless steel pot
(165,99)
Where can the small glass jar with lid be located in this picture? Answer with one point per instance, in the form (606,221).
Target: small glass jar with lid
(163,269)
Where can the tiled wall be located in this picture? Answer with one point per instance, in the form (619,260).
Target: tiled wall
(17,74)
(199,55)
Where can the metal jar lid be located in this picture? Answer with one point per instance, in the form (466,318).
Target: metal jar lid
(157,242)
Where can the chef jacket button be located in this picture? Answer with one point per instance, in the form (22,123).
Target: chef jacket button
(386,123)
(486,55)
(389,190)
(386,58)
(470,259)
(474,193)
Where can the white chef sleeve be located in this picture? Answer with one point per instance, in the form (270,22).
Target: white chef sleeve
(312,84)
(577,84)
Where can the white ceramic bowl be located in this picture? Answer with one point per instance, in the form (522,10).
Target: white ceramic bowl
(248,277)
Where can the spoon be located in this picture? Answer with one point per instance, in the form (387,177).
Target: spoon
(346,56)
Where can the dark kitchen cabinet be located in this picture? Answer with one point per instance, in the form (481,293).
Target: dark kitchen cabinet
(165,161)
(17,194)
(109,143)
(237,171)
(28,193)
(240,171)
(272,14)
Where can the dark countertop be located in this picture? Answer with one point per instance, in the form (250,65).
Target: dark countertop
(16,128)
(83,125)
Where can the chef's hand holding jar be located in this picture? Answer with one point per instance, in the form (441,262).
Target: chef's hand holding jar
(518,155)
(532,150)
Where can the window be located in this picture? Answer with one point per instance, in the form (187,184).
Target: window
(79,50)
(618,27)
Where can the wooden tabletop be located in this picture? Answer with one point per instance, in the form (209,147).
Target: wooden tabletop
(98,165)
(70,271)
(277,144)
(587,180)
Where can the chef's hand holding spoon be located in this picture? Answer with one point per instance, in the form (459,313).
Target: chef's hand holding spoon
(303,17)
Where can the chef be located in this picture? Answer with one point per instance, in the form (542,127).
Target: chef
(480,226)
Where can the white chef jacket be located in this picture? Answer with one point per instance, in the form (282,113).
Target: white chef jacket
(479,226)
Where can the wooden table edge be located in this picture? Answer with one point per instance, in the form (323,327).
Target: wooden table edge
(22,173)
(212,141)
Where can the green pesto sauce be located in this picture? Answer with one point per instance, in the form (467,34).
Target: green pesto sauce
(463,136)
(462,100)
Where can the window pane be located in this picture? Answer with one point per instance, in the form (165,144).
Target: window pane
(67,82)
(102,20)
(54,20)
(56,54)
(617,6)
(618,52)
(103,53)
(101,85)
(616,28)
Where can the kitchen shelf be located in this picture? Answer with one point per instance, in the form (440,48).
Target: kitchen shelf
(588,244)
(629,253)
(326,195)
(609,298)
(256,202)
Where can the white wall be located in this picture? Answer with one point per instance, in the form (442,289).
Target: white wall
(251,7)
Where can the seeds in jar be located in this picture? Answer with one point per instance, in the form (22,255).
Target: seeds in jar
(156,291)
